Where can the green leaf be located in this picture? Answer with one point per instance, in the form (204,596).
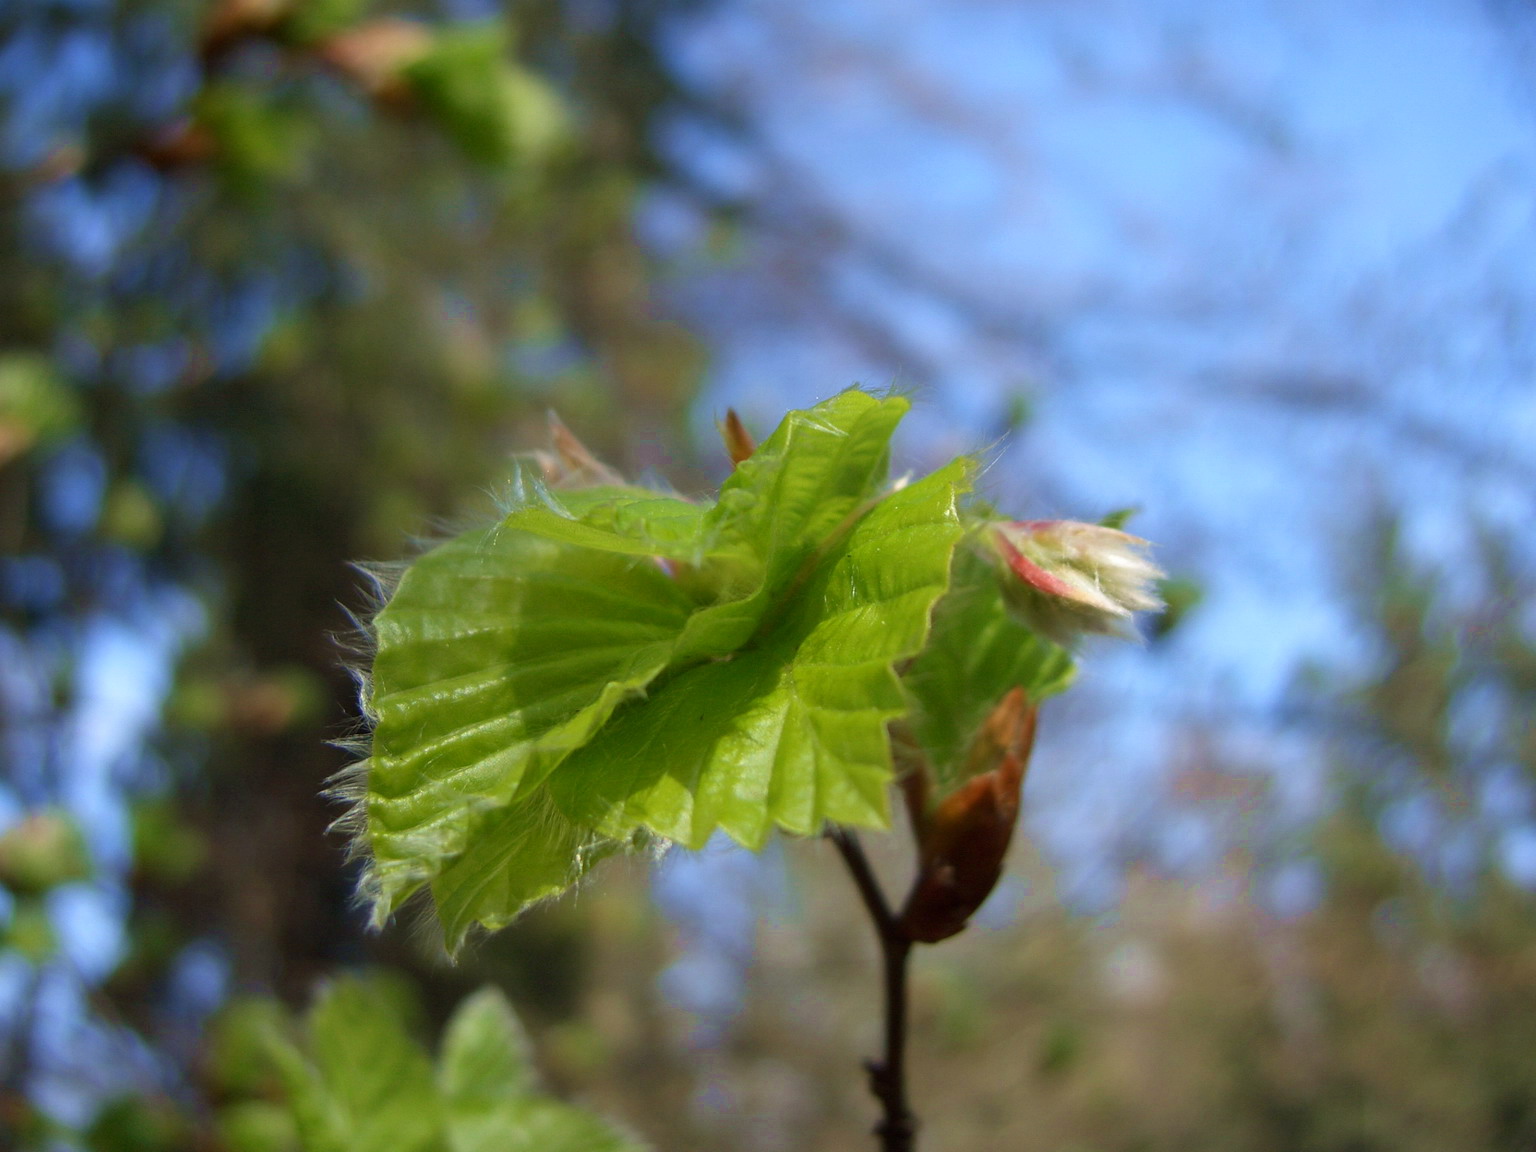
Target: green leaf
(241,1042)
(976,654)
(312,20)
(29,932)
(138,1124)
(516,856)
(610,664)
(361,1083)
(499,653)
(806,481)
(791,731)
(257,1126)
(36,404)
(44,850)
(493,110)
(488,1086)
(536,1125)
(377,1084)
(261,137)
(485,1053)
(616,520)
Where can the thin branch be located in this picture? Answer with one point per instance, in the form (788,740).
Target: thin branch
(897,1129)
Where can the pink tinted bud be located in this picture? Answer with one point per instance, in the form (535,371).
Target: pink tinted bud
(1066,578)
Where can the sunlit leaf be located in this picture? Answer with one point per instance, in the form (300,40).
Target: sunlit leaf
(977,652)
(791,731)
(499,654)
(608,664)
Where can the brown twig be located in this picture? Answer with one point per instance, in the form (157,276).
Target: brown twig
(897,1129)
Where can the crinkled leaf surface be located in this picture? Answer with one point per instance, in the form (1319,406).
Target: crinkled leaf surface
(526,851)
(610,663)
(977,652)
(498,654)
(791,730)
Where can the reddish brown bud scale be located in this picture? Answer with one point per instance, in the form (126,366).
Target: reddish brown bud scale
(739,444)
(1030,572)
(963,841)
(568,463)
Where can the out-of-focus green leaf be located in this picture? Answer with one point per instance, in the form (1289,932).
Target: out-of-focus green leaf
(494,110)
(36,405)
(241,1041)
(488,1088)
(43,851)
(164,846)
(137,1124)
(485,1055)
(357,1081)
(131,516)
(258,1126)
(30,931)
(378,1083)
(976,654)
(1119,517)
(307,21)
(1181,596)
(257,139)
(535,1125)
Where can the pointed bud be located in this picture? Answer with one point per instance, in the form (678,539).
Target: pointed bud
(962,842)
(568,463)
(1066,578)
(739,444)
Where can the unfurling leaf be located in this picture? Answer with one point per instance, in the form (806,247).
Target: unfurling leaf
(610,667)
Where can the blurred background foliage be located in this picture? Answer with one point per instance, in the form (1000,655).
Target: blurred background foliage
(283,285)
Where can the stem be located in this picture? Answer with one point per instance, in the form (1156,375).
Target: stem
(897,1129)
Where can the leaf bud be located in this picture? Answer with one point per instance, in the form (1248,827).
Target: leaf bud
(1065,578)
(964,839)
(739,444)
(568,463)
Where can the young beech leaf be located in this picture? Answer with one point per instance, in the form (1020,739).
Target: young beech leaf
(791,731)
(499,653)
(608,664)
